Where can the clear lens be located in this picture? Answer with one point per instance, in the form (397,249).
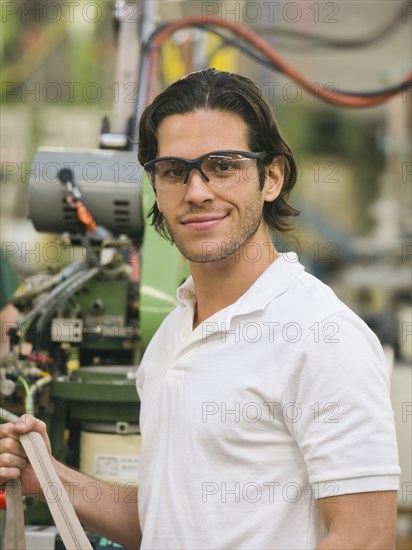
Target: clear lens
(169,171)
(220,168)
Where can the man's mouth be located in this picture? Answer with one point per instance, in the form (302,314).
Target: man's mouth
(203,222)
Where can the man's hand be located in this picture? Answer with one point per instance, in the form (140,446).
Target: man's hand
(361,521)
(13,460)
(116,517)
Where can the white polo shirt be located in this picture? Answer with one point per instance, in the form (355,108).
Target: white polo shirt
(271,403)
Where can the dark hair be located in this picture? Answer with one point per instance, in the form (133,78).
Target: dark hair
(229,92)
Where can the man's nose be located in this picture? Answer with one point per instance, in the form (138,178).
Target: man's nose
(198,189)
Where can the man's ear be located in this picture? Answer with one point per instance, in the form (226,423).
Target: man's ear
(274,176)
(157,202)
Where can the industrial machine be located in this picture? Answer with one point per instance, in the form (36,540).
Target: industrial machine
(82,330)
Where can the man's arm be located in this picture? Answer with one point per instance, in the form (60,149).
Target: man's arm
(115,513)
(361,521)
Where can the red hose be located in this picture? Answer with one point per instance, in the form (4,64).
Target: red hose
(252,38)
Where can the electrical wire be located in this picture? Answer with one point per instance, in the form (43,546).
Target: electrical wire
(34,289)
(322,41)
(326,41)
(58,295)
(235,42)
(6,416)
(34,389)
(31,391)
(61,298)
(73,268)
(27,401)
(55,292)
(345,99)
(238,44)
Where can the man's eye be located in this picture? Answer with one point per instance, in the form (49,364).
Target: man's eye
(217,166)
(172,172)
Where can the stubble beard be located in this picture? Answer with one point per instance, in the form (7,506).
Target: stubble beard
(215,251)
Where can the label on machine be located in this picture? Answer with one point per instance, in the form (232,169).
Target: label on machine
(116,466)
(121,466)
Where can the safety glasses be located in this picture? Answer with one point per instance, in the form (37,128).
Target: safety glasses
(218,168)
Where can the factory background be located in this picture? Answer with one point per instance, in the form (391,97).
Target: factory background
(354,190)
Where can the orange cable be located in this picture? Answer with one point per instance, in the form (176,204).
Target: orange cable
(328,96)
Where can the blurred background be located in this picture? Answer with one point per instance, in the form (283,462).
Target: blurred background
(70,80)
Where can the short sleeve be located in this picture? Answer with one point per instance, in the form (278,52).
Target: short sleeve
(344,425)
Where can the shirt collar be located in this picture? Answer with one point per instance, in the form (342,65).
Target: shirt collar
(270,284)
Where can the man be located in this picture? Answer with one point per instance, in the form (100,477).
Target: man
(265,416)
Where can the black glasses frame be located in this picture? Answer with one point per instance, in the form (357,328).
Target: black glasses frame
(190,164)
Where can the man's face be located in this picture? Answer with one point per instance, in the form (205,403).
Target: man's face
(207,223)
